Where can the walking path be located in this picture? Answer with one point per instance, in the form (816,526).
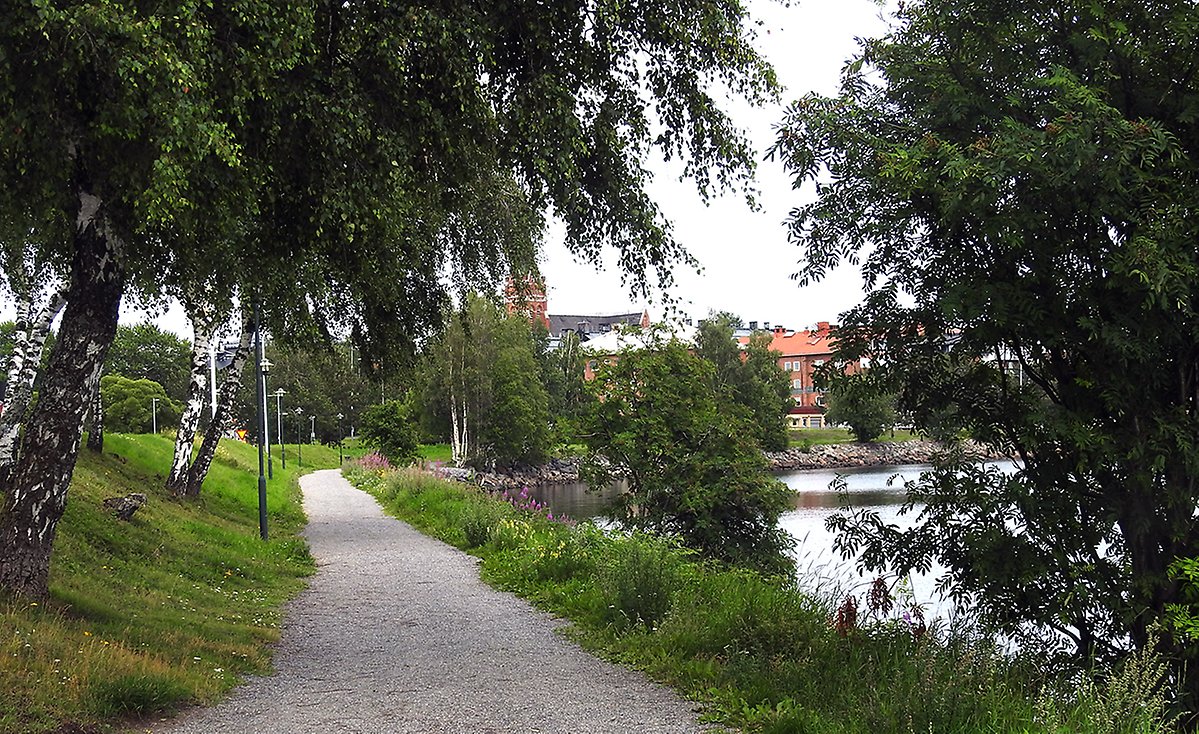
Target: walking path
(397,634)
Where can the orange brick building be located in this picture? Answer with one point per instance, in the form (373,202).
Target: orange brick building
(801,352)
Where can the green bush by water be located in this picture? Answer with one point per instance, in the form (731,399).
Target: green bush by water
(760,655)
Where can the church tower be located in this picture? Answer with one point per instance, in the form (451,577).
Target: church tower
(525,295)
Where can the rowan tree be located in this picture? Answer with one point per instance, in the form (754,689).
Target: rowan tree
(1018,184)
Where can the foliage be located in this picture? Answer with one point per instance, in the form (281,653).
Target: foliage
(129,405)
(135,604)
(760,655)
(1026,179)
(641,577)
(1184,614)
(857,401)
(389,426)
(562,377)
(483,372)
(145,351)
(289,153)
(688,454)
(752,378)
(322,379)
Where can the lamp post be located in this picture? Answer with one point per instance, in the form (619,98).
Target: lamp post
(312,430)
(340,436)
(154,413)
(279,424)
(299,452)
(265,365)
(260,384)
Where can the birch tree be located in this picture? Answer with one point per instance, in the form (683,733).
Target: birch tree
(39,298)
(331,156)
(204,320)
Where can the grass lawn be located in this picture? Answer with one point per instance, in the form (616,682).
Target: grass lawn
(170,608)
(435,452)
(824,436)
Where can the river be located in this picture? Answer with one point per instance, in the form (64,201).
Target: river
(821,568)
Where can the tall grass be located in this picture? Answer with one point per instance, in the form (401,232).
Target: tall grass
(761,655)
(170,608)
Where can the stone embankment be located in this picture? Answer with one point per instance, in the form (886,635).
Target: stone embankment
(834,456)
(849,455)
(556,471)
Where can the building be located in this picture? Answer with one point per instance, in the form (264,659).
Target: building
(800,354)
(526,296)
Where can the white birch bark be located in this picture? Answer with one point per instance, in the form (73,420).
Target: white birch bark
(29,343)
(204,330)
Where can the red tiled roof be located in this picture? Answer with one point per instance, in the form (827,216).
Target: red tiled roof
(801,343)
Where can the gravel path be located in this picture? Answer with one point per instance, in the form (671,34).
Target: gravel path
(397,634)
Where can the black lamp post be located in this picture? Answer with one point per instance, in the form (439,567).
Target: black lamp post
(279,424)
(341,434)
(299,452)
(260,384)
(266,365)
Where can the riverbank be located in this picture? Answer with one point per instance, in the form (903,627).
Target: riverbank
(830,456)
(758,654)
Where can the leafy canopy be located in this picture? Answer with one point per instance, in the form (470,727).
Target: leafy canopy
(688,455)
(1018,183)
(857,401)
(750,378)
(390,428)
(132,406)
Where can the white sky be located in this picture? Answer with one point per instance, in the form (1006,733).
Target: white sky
(745,256)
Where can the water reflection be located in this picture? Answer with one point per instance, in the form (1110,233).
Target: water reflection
(575,500)
(821,568)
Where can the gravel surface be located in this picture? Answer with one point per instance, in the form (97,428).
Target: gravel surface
(397,634)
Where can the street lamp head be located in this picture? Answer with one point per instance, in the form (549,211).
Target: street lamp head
(299,411)
(340,416)
(280,392)
(265,365)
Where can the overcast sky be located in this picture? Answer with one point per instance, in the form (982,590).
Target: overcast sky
(745,256)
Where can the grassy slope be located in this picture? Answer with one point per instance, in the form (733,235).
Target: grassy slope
(170,608)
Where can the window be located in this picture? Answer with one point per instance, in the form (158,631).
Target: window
(797,384)
(818,362)
(786,366)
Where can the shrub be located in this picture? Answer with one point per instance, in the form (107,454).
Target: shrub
(639,580)
(391,428)
(479,520)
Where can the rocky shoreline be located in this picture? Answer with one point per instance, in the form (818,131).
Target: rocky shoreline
(832,456)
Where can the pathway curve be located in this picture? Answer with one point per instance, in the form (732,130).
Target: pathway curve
(396,633)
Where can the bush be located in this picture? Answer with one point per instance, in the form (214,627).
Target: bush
(391,428)
(132,406)
(479,521)
(639,580)
(857,402)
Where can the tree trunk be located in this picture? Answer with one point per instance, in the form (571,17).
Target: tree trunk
(37,493)
(29,341)
(95,434)
(203,330)
(224,411)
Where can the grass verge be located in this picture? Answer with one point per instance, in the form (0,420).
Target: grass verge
(170,608)
(758,653)
(807,437)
